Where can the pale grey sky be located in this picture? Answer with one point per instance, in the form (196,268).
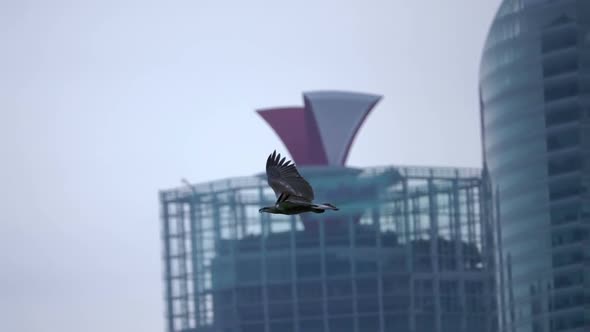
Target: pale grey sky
(102,103)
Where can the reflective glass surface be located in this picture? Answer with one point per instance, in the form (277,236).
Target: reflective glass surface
(536,141)
(409,250)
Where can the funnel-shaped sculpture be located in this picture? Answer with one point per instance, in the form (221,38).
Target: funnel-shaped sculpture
(321,132)
(298,130)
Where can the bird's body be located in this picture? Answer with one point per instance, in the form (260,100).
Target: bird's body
(294,194)
(290,207)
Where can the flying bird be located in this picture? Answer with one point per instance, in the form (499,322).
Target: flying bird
(294,194)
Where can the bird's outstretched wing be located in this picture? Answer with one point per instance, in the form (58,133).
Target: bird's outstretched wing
(284,178)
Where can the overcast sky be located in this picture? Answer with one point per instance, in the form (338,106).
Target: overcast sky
(103,103)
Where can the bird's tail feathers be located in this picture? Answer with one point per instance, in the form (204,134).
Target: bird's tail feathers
(328,206)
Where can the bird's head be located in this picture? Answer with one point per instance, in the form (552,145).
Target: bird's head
(268,209)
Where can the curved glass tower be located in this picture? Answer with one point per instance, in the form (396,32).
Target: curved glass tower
(535,111)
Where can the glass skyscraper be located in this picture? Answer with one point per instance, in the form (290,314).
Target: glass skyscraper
(535,110)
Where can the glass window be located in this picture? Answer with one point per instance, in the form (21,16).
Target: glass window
(343,324)
(307,240)
(250,243)
(366,240)
(229,320)
(281,326)
(397,303)
(251,312)
(450,303)
(449,287)
(585,83)
(569,235)
(425,322)
(567,114)
(369,323)
(574,256)
(422,263)
(397,322)
(393,284)
(249,295)
(521,202)
(452,322)
(559,39)
(567,188)
(366,286)
(517,129)
(280,310)
(339,288)
(278,241)
(447,262)
(561,90)
(310,308)
(501,111)
(337,241)
(568,300)
(337,265)
(253,327)
(308,266)
(366,266)
(367,304)
(565,213)
(389,239)
(559,65)
(278,293)
(474,287)
(475,322)
(223,298)
(515,163)
(340,306)
(248,270)
(316,325)
(278,268)
(563,139)
(565,164)
(475,304)
(309,290)
(569,279)
(570,320)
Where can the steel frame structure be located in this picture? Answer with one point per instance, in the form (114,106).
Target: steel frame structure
(414,253)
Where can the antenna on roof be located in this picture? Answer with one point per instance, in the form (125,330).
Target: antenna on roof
(188,184)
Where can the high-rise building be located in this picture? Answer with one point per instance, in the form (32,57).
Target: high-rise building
(535,111)
(409,250)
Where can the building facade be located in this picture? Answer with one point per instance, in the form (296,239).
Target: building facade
(411,248)
(535,111)
(406,252)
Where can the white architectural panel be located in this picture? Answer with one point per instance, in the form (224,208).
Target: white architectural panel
(338,116)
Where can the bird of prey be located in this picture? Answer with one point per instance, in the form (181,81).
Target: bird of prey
(294,194)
